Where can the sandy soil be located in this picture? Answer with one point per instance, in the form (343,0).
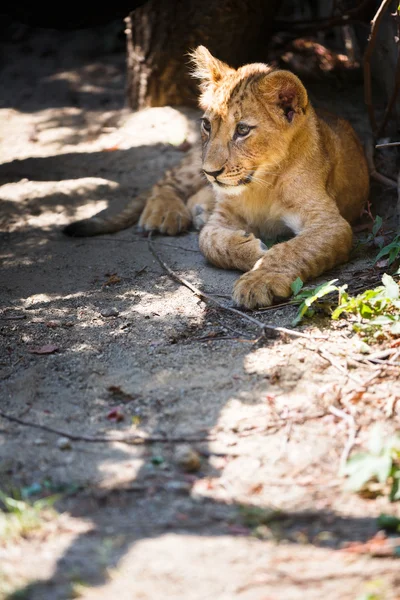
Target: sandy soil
(132,522)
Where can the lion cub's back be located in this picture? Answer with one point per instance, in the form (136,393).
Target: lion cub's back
(348,180)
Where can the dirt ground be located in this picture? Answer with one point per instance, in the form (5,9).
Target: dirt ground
(265,515)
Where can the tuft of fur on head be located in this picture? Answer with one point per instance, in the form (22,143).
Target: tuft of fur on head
(206,67)
(210,71)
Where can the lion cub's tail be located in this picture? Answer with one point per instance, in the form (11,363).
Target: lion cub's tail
(98,225)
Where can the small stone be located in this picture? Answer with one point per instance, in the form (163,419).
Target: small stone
(179,487)
(110,312)
(188,459)
(39,442)
(64,443)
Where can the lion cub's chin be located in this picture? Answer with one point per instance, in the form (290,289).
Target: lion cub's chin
(229,190)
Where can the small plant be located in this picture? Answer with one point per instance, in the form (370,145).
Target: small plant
(19,517)
(374,308)
(309,297)
(391,251)
(378,307)
(380,464)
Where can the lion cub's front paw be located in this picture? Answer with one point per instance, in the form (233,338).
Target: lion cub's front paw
(166,214)
(258,288)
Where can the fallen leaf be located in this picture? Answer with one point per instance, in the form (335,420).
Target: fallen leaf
(113,279)
(120,395)
(256,489)
(382,264)
(116,415)
(46,349)
(111,148)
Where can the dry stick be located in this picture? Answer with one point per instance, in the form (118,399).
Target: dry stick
(209,299)
(369,153)
(132,439)
(352,432)
(367,61)
(388,144)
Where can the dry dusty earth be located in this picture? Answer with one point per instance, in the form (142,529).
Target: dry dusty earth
(130,343)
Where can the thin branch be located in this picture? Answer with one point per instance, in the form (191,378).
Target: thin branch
(367,61)
(387,144)
(139,438)
(352,432)
(210,299)
(369,153)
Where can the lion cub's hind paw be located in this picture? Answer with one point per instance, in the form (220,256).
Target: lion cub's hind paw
(168,216)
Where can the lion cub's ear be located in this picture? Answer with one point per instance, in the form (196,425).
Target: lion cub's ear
(286,92)
(207,68)
(210,71)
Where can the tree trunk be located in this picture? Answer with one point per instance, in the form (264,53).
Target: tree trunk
(162,32)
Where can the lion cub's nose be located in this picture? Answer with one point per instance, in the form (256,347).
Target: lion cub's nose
(214,173)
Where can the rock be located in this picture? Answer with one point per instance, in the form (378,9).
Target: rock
(179,487)
(110,312)
(39,442)
(64,443)
(188,459)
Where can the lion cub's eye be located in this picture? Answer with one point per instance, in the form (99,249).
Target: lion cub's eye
(206,125)
(242,129)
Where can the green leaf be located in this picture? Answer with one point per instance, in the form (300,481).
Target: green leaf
(376,442)
(388,522)
(377,225)
(393,247)
(362,468)
(393,254)
(296,286)
(395,494)
(391,287)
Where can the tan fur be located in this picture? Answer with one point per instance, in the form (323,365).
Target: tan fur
(295,171)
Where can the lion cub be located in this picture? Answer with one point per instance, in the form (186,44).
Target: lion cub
(275,167)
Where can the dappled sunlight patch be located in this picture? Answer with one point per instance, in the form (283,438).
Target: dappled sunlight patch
(49,545)
(161,124)
(263,360)
(84,347)
(41,204)
(181,303)
(119,474)
(237,415)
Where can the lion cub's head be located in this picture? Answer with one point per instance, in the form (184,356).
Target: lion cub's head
(251,115)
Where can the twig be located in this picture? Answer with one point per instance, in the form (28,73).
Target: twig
(352,433)
(209,299)
(139,438)
(367,62)
(208,338)
(278,306)
(332,360)
(369,153)
(388,144)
